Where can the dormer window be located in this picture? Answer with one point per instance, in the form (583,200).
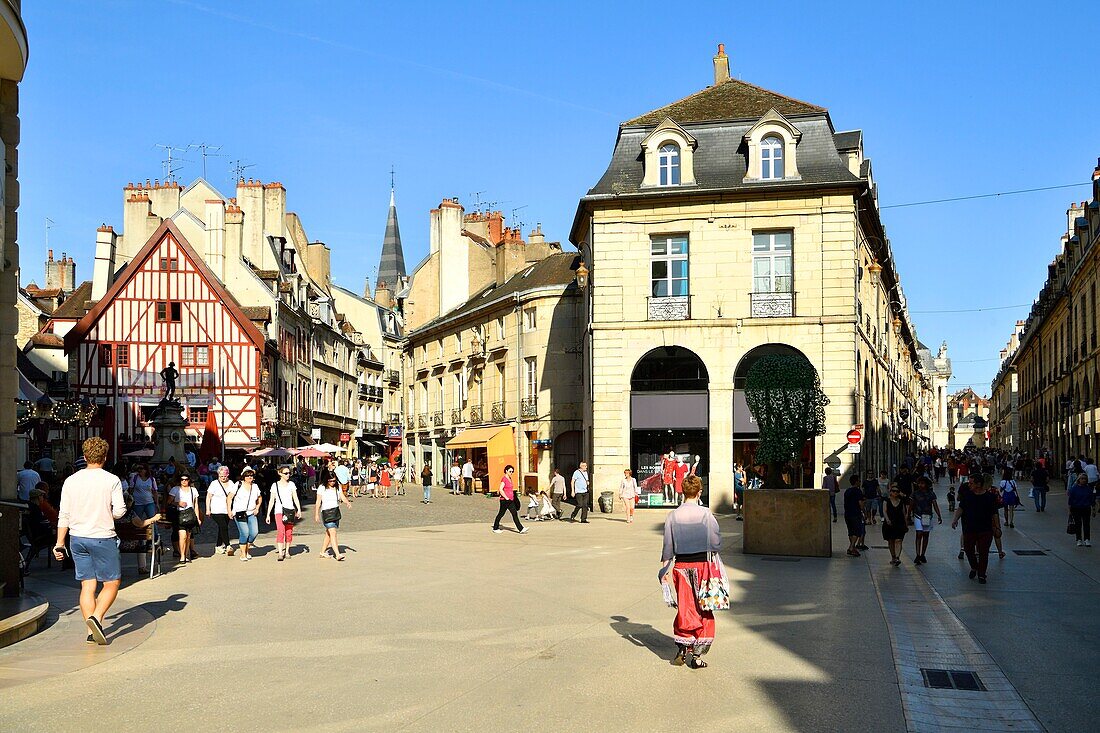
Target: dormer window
(771,157)
(668,161)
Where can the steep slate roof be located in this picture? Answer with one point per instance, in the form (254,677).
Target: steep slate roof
(848,140)
(391,265)
(555,269)
(74,306)
(730,100)
(85,324)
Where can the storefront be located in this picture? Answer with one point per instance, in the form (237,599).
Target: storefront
(489,449)
(669,424)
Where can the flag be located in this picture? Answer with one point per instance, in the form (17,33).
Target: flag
(211,445)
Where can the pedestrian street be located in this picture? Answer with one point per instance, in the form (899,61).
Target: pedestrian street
(437,625)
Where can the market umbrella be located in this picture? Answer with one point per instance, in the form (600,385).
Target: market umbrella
(311,452)
(328,448)
(271,453)
(211,445)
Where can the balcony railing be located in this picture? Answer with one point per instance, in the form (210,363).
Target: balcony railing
(364,390)
(475,415)
(772,305)
(437,418)
(456,415)
(422,421)
(395,418)
(393,376)
(670,308)
(529,407)
(498,411)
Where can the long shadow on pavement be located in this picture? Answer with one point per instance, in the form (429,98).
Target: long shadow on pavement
(644,635)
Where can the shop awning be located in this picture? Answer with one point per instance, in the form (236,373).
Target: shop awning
(476,436)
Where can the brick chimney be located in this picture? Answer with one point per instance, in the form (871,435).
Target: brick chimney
(721,65)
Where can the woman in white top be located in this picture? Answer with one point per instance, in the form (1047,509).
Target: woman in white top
(217,506)
(143,489)
(284,505)
(327,510)
(185,498)
(245,505)
(628,490)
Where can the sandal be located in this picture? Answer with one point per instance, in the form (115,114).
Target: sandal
(696,662)
(340,558)
(678,661)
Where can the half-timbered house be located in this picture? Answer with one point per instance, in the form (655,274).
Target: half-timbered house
(166,307)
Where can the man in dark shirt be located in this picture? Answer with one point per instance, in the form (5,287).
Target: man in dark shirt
(870,498)
(1040,485)
(853,516)
(904,480)
(978,511)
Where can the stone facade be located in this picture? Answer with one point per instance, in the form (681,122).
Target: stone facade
(968,415)
(1054,355)
(841,304)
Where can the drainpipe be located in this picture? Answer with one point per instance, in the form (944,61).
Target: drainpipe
(520,385)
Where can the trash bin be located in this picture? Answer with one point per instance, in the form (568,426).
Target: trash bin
(607,501)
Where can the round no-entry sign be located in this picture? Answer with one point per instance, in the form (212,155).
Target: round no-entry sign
(854,437)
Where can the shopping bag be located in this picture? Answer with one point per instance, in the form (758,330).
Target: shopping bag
(1071,525)
(713,592)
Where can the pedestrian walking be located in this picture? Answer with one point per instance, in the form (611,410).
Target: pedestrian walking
(143,492)
(853,516)
(245,503)
(287,510)
(978,512)
(468,478)
(691,537)
(185,498)
(582,494)
(557,491)
(25,481)
(384,478)
(871,503)
(217,506)
(426,479)
(628,493)
(1010,499)
(327,511)
(739,491)
(343,477)
(91,501)
(455,477)
(830,484)
(921,506)
(1040,485)
(894,524)
(1082,501)
(509,502)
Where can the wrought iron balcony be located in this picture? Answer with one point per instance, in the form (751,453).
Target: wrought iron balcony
(393,376)
(475,415)
(422,421)
(395,418)
(670,308)
(437,418)
(772,305)
(498,411)
(456,415)
(529,407)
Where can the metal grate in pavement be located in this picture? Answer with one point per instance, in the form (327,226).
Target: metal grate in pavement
(951,679)
(782,559)
(1029,552)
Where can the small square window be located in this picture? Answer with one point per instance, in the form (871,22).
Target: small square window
(106,355)
(177,312)
(122,355)
(162,311)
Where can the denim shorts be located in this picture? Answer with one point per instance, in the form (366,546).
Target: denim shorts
(331,525)
(145,511)
(96,559)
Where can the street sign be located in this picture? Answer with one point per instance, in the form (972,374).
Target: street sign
(853,447)
(903,413)
(854,437)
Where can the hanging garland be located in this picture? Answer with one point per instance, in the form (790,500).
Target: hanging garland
(62,412)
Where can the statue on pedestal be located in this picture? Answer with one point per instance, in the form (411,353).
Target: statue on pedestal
(170,375)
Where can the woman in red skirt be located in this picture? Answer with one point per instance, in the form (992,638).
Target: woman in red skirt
(691,534)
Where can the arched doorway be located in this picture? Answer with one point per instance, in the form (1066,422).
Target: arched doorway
(669,414)
(746,433)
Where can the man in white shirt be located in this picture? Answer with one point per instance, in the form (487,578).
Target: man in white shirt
(27,479)
(455,475)
(91,501)
(468,477)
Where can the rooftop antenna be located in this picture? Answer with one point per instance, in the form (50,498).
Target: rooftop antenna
(476,196)
(206,151)
(49,225)
(515,221)
(167,163)
(239,167)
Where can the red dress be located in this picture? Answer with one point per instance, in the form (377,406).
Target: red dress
(668,471)
(681,471)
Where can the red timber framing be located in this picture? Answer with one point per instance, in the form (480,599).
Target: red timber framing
(167,306)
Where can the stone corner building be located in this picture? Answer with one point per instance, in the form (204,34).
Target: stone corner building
(734,223)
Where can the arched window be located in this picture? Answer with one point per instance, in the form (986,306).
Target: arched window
(771,157)
(668,161)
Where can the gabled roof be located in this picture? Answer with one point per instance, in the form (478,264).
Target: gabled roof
(730,100)
(74,307)
(84,325)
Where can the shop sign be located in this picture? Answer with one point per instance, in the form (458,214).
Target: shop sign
(345,437)
(393,431)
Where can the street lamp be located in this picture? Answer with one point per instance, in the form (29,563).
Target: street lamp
(582,275)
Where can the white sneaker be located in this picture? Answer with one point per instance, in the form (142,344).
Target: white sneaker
(523,531)
(1080,543)
(497,531)
(1088,543)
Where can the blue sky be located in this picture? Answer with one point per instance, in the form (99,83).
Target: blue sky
(521,101)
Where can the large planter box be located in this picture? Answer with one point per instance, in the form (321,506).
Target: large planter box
(793,522)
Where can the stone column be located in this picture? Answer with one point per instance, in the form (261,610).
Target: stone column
(720,468)
(9,287)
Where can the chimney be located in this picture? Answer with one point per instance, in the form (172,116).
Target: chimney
(215,236)
(721,65)
(104,261)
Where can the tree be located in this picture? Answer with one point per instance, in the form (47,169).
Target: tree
(784,394)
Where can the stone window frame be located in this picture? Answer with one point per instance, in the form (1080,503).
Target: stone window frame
(668,132)
(668,164)
(772,124)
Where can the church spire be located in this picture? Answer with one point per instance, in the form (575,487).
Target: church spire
(391,266)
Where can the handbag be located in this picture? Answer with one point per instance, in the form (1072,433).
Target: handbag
(330,516)
(713,591)
(241,516)
(286,509)
(188,518)
(1071,525)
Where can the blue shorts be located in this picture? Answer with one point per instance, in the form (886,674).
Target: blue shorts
(331,525)
(96,559)
(145,511)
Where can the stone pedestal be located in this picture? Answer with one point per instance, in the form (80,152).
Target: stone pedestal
(794,522)
(169,433)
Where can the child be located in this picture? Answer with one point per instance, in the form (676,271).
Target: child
(546,512)
(951,499)
(532,507)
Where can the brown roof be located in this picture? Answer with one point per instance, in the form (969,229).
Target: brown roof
(75,306)
(257,312)
(266,274)
(36,292)
(730,100)
(51,340)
